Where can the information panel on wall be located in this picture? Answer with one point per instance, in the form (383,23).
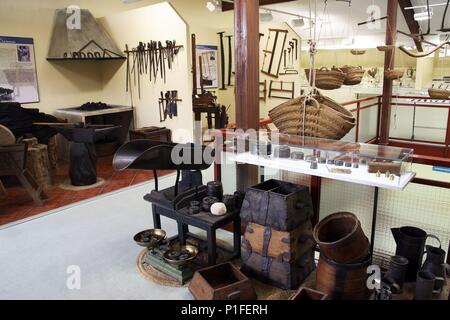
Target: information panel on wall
(207,55)
(18,77)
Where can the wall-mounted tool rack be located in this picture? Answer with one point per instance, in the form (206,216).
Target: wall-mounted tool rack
(274,55)
(284,90)
(263,90)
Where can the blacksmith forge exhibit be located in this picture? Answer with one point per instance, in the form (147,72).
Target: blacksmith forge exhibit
(224,150)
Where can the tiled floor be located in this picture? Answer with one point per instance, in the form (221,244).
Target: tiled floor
(17,205)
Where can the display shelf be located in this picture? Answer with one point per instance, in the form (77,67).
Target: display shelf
(358,176)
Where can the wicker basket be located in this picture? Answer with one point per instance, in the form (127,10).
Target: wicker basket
(324,118)
(385,48)
(354,75)
(358,52)
(394,74)
(438,93)
(328,79)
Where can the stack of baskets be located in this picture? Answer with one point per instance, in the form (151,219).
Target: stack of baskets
(438,93)
(327,79)
(323,118)
(353,75)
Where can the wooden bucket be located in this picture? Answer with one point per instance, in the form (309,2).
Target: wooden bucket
(343,281)
(341,238)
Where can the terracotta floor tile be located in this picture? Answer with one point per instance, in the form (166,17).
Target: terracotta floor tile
(18,204)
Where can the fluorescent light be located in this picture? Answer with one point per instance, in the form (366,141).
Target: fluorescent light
(422,16)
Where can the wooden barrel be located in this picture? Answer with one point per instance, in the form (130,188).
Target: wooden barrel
(341,238)
(343,281)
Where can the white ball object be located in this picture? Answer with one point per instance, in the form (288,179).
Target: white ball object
(219,209)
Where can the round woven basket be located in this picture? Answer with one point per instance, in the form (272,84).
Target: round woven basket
(324,118)
(327,79)
(394,74)
(358,52)
(353,75)
(438,93)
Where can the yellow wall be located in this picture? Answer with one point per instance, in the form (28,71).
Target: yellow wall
(65,84)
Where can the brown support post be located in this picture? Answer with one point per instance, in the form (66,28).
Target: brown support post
(389,63)
(380,105)
(246,30)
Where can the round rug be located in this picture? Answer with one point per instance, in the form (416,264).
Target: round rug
(69,187)
(263,291)
(154,275)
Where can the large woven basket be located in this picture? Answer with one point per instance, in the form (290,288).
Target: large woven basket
(439,93)
(328,79)
(324,118)
(353,75)
(394,74)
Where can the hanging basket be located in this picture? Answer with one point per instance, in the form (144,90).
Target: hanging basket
(353,75)
(394,74)
(385,48)
(328,79)
(358,52)
(438,93)
(324,118)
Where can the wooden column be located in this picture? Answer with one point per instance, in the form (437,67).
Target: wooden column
(389,63)
(246,31)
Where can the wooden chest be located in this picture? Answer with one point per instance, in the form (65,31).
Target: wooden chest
(152,133)
(284,275)
(282,245)
(280,205)
(221,282)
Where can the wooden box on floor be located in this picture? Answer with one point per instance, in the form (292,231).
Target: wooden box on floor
(307,294)
(221,282)
(284,246)
(152,133)
(284,275)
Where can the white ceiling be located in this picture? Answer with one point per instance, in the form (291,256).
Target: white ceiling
(339,23)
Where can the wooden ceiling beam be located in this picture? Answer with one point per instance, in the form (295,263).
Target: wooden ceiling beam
(413,25)
(227,6)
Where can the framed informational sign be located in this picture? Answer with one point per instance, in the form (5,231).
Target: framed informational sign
(207,55)
(18,77)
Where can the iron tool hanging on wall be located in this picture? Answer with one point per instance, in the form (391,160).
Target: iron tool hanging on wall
(275,54)
(230,59)
(222,60)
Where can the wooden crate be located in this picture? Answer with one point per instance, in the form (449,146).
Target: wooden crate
(221,282)
(285,246)
(152,133)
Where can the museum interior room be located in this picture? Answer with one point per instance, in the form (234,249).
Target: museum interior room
(224,150)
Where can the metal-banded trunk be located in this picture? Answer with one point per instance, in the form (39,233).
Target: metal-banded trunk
(280,245)
(276,204)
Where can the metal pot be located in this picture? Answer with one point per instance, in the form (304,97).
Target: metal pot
(435,263)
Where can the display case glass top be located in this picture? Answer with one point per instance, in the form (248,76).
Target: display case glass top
(366,164)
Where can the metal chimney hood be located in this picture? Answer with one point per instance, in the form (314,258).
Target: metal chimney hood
(86,41)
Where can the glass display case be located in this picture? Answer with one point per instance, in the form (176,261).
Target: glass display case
(366,164)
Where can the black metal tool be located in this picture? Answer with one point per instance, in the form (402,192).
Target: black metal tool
(162,114)
(167,100)
(296,49)
(128,67)
(222,59)
(230,59)
(175,103)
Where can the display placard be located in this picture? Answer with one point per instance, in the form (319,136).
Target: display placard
(18,76)
(210,71)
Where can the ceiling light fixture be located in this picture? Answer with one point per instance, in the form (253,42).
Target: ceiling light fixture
(298,23)
(422,16)
(266,16)
(214,6)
